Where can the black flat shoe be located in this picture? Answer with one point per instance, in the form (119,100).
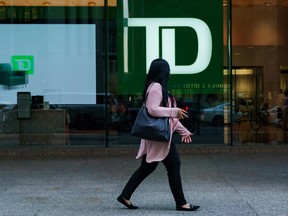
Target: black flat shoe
(129,206)
(192,208)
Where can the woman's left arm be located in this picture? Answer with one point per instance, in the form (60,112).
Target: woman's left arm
(153,103)
(183,131)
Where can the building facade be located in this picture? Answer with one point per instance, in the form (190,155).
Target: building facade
(72,72)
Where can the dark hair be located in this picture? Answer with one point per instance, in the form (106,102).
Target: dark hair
(159,72)
(286,93)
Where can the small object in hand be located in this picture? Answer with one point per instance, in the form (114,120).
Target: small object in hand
(187,114)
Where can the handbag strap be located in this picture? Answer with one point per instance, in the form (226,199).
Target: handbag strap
(147,92)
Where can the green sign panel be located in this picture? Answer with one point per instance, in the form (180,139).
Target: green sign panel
(188,34)
(23,63)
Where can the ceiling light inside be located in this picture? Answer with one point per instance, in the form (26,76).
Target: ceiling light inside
(46,3)
(91,3)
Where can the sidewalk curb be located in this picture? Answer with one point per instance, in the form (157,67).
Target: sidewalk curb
(61,152)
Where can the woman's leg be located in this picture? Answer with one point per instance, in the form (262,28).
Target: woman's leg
(139,175)
(172,163)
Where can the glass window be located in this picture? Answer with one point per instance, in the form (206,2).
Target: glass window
(259,56)
(72,74)
(57,54)
(191,40)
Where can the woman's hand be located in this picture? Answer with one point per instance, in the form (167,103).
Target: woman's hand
(182,114)
(187,139)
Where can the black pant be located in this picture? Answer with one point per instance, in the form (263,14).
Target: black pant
(172,163)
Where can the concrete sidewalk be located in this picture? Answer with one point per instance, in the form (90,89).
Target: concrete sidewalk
(221,183)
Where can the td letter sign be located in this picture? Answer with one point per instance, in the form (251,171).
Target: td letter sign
(188,34)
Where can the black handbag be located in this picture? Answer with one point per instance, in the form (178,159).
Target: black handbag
(151,128)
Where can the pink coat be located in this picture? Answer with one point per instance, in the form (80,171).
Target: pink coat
(157,151)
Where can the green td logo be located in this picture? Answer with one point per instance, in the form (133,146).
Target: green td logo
(23,63)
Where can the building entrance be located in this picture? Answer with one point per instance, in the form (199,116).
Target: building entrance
(259,123)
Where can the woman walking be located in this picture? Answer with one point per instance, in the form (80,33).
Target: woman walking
(160,103)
